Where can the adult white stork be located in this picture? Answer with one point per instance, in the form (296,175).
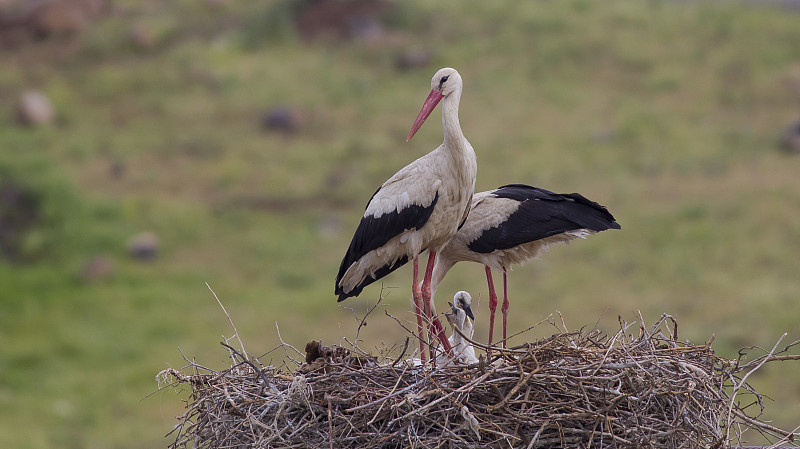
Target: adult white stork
(419,208)
(513,224)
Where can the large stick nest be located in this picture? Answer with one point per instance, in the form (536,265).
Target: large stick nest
(638,388)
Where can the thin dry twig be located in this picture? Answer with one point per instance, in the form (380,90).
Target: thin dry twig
(230,320)
(738,385)
(285,345)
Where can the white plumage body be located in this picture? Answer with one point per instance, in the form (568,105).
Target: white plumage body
(418,184)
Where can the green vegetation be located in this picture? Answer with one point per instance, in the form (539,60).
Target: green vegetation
(667,112)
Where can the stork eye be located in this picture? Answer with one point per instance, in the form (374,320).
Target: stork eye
(442,81)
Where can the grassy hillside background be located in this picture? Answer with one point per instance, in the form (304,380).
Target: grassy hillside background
(669,113)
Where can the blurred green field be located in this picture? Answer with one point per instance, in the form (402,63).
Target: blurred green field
(669,113)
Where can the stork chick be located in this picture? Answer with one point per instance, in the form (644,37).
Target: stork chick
(461,318)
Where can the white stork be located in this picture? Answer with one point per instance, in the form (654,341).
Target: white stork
(461,318)
(419,208)
(513,224)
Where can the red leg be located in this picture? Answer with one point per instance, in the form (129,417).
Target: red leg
(426,294)
(426,313)
(504,308)
(417,294)
(492,303)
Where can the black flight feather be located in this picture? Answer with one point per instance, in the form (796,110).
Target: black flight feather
(541,214)
(372,233)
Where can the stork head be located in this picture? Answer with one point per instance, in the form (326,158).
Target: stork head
(456,317)
(463,301)
(445,82)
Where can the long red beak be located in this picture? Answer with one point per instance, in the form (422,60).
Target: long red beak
(430,104)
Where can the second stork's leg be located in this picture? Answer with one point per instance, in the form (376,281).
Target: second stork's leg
(417,294)
(426,294)
(504,308)
(492,303)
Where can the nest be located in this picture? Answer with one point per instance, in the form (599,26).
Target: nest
(638,388)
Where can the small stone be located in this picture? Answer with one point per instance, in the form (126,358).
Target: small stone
(34,109)
(284,119)
(143,246)
(791,138)
(117,169)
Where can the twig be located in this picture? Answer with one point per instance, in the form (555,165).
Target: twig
(399,357)
(406,329)
(363,321)
(285,345)
(487,347)
(330,423)
(236,332)
(267,383)
(527,330)
(744,379)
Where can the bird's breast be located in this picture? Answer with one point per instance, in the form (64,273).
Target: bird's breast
(455,199)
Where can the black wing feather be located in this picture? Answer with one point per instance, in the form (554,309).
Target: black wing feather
(379,273)
(372,233)
(541,214)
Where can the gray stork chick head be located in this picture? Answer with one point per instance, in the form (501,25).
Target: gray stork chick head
(446,81)
(456,317)
(463,301)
